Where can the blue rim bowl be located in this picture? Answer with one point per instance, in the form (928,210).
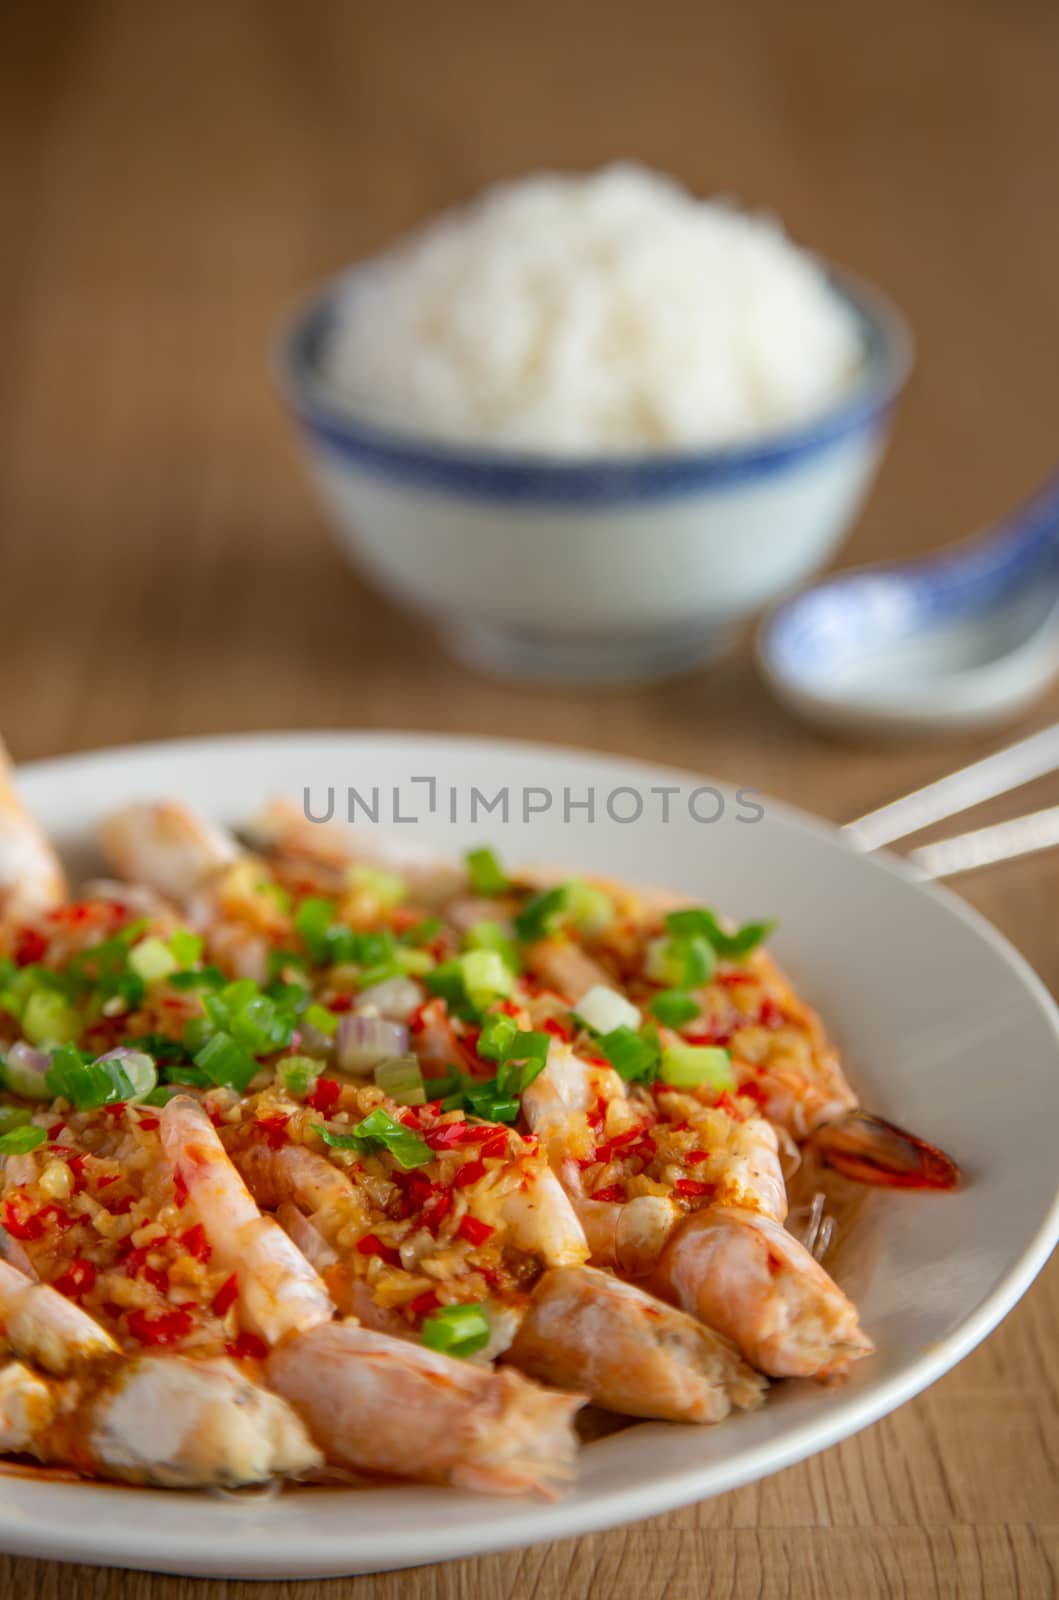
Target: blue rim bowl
(486,472)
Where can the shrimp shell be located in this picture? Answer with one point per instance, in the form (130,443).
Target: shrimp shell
(381,1405)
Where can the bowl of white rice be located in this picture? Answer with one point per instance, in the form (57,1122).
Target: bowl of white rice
(588,424)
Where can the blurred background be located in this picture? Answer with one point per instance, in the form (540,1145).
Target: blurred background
(175,176)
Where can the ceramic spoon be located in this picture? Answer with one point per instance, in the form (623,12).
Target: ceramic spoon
(958,640)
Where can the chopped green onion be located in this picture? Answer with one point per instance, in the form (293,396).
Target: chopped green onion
(163,1050)
(407,1148)
(401,1079)
(632,1056)
(186,947)
(48,1019)
(701,922)
(312,922)
(680,962)
(521,1060)
(446,981)
(161,1094)
(152,960)
(456,1330)
(498,1031)
(295,1074)
(494,936)
(191,1077)
(379,1128)
(414,963)
(226,1062)
(26,983)
(674,1007)
(321,1019)
(262,1023)
(687,1066)
(486,977)
(381,972)
(489,1102)
(140,1071)
(386,888)
(280,960)
(200,978)
(196,1031)
(290,997)
(487,875)
(13,1117)
(603,1009)
(371,949)
(591,910)
(540,914)
(424,932)
(17,1141)
(86,1084)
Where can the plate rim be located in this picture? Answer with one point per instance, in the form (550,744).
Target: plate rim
(97,1542)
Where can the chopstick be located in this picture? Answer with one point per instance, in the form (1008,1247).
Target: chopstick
(981,847)
(997,774)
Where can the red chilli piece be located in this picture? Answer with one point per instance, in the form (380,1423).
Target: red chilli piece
(695,1157)
(557,1029)
(473,1231)
(76,1164)
(53,1213)
(477,1132)
(30,947)
(424,1303)
(436,1210)
(195,1242)
(274,1128)
(495,1145)
(372,1245)
(771,1015)
(180,1188)
(78,1279)
(226,1296)
(147,1123)
(247,1347)
(615,1192)
(167,1328)
(326,1095)
(733,976)
(469,1173)
(693,1188)
(446,1136)
(340,1002)
(416,1022)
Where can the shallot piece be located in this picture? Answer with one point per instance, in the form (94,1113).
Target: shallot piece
(362,1042)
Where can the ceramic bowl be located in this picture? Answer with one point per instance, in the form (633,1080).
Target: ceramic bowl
(595,569)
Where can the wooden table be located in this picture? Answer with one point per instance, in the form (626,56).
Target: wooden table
(173,175)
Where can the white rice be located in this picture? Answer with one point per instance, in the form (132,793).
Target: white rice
(586,314)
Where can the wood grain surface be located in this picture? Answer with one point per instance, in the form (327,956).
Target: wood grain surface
(172,175)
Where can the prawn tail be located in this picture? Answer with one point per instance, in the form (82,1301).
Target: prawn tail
(870,1150)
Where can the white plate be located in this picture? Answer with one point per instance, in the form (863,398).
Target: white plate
(944,1028)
